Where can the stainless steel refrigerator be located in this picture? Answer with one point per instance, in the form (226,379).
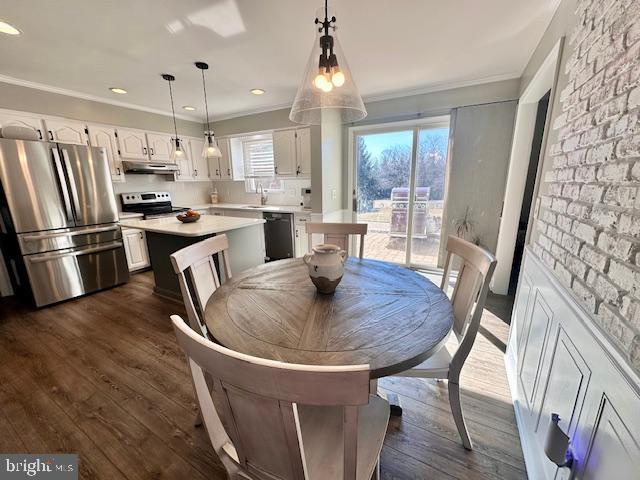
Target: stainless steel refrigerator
(58,220)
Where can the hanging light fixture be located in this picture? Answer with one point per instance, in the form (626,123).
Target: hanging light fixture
(327,86)
(210,149)
(177,151)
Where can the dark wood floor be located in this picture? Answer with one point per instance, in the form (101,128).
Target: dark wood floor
(102,376)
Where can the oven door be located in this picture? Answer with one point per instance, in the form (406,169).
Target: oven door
(64,274)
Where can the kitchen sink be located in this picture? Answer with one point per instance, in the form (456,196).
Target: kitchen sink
(268,207)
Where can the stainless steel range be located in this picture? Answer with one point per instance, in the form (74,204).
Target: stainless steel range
(58,220)
(150,204)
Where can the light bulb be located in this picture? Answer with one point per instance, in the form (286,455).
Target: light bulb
(327,87)
(179,153)
(337,78)
(320,81)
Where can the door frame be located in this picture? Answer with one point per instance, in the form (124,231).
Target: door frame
(545,79)
(387,127)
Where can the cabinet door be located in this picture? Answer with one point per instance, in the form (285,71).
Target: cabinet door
(159,147)
(135,248)
(185,164)
(284,152)
(100,136)
(303,152)
(132,144)
(66,131)
(200,164)
(8,118)
(226,170)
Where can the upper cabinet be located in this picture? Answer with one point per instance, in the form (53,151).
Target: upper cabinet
(10,118)
(200,165)
(103,136)
(303,152)
(284,152)
(159,147)
(226,169)
(292,152)
(132,144)
(66,131)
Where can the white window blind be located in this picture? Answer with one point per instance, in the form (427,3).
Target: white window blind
(258,158)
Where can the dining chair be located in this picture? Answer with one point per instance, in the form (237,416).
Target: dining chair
(338,233)
(197,272)
(269,420)
(468,299)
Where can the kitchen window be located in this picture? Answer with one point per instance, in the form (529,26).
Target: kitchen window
(258,161)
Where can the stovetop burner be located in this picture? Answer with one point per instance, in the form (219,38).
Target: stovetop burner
(150,204)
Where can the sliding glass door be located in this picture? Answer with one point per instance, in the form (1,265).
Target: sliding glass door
(398,187)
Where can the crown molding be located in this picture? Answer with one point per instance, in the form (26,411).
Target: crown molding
(94,98)
(441,87)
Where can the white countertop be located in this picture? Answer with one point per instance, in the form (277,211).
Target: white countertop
(207,225)
(129,215)
(250,207)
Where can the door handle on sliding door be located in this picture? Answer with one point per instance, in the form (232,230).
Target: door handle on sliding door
(72,184)
(62,184)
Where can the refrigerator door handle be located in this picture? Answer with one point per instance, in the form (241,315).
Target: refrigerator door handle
(72,185)
(47,236)
(62,184)
(46,257)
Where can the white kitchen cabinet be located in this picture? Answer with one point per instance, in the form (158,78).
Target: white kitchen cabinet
(135,248)
(303,152)
(132,144)
(103,136)
(160,146)
(200,165)
(284,152)
(226,169)
(11,118)
(66,131)
(300,233)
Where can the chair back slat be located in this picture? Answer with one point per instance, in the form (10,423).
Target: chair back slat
(469,294)
(338,234)
(198,276)
(258,399)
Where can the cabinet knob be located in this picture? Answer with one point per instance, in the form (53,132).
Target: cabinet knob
(275,169)
(118,170)
(228,171)
(151,150)
(144,150)
(50,135)
(217,172)
(195,173)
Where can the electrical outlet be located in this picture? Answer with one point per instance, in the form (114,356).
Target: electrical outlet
(334,194)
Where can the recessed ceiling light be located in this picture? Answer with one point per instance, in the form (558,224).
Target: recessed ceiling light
(8,29)
(189,108)
(258,91)
(119,90)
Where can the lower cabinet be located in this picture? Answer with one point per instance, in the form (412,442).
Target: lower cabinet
(135,247)
(300,231)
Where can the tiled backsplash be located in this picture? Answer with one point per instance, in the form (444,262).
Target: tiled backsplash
(182,193)
(234,192)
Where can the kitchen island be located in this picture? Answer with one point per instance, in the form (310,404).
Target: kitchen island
(168,235)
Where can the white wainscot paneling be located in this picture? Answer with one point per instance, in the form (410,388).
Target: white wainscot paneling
(558,361)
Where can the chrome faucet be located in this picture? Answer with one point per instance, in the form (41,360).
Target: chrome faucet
(263,195)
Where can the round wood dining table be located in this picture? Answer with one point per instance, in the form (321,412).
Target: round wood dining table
(381,314)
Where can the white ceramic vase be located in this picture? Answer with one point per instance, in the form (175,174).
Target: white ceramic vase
(326,266)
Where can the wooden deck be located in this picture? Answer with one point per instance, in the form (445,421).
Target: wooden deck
(102,376)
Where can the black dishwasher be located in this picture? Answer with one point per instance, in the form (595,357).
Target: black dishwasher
(278,235)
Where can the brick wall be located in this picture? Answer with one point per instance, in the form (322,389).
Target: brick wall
(588,228)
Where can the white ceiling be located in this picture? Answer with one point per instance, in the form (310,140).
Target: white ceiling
(393,47)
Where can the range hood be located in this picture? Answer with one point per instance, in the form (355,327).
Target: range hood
(149,167)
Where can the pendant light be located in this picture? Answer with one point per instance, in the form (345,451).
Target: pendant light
(327,87)
(177,151)
(210,149)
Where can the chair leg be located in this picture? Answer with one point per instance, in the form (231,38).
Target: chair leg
(456,409)
(197,422)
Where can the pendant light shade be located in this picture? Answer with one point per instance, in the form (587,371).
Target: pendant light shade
(327,87)
(177,151)
(210,148)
